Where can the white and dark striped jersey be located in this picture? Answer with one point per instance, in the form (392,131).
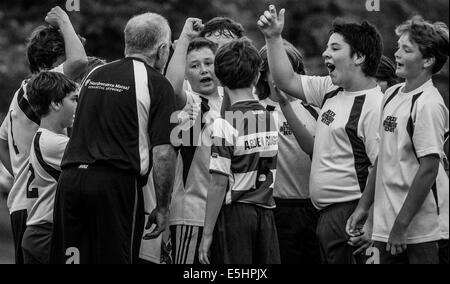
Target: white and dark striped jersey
(46,154)
(293,165)
(346,142)
(192,177)
(18,128)
(413,125)
(245,149)
(124,110)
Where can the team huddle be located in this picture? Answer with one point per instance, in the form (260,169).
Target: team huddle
(224,154)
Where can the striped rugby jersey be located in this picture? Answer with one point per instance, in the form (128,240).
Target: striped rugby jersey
(245,149)
(44,170)
(413,125)
(18,128)
(346,142)
(192,178)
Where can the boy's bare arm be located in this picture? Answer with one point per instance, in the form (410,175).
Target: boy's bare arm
(76,60)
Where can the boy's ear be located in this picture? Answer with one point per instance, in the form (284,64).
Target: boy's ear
(359,58)
(428,62)
(54,106)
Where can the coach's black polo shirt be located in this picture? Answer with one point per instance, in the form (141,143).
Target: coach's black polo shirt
(124,110)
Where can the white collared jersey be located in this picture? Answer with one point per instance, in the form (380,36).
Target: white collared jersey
(293,164)
(156,250)
(18,128)
(245,149)
(192,177)
(44,170)
(346,142)
(413,125)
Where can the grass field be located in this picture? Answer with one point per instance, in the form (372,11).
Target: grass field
(6,241)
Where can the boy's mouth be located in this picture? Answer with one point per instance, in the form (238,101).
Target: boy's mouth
(330,67)
(206,80)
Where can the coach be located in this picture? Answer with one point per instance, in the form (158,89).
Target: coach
(123,119)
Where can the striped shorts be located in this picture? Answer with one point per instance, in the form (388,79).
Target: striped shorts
(185,243)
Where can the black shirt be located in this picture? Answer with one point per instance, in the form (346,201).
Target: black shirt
(124,110)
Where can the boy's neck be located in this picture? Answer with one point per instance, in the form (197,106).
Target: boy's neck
(360,82)
(413,83)
(239,95)
(53,125)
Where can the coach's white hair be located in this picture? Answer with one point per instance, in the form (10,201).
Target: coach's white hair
(145,33)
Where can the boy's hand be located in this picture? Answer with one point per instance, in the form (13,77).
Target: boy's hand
(362,242)
(397,240)
(283,98)
(192,28)
(203,250)
(57,17)
(355,223)
(271,23)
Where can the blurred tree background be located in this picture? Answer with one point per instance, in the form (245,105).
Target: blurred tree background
(101,22)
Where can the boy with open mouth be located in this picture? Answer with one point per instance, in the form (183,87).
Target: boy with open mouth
(346,144)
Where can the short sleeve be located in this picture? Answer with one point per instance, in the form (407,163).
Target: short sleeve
(161,108)
(222,148)
(430,126)
(315,89)
(369,130)
(53,152)
(4,127)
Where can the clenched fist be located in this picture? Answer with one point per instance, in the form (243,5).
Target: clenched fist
(57,17)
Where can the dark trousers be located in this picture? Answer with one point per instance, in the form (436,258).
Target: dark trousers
(443,252)
(18,225)
(36,244)
(98,217)
(424,253)
(332,235)
(245,234)
(296,222)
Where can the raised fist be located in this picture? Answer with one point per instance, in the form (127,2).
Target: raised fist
(57,17)
(271,23)
(192,28)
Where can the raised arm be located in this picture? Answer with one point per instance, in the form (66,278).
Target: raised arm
(301,133)
(76,60)
(177,65)
(271,25)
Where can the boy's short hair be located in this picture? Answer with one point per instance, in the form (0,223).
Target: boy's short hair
(432,39)
(224,26)
(386,72)
(199,43)
(296,59)
(47,87)
(44,47)
(237,64)
(363,39)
